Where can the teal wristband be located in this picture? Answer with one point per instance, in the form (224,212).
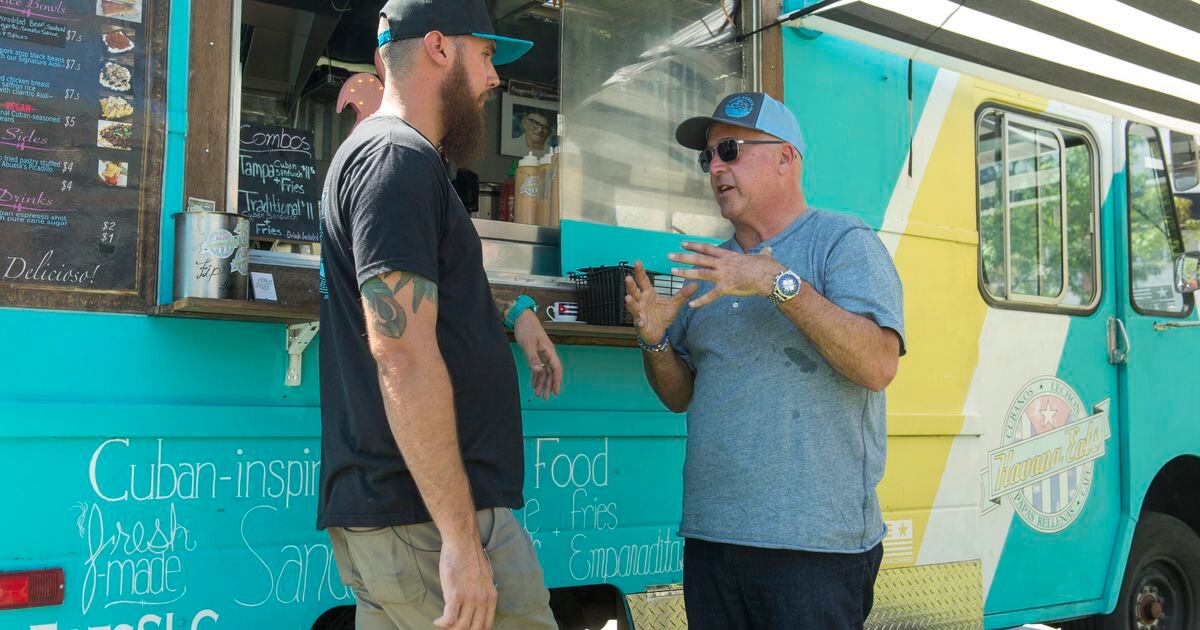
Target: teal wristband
(518,306)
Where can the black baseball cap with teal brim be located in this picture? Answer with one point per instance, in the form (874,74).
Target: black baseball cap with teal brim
(414,18)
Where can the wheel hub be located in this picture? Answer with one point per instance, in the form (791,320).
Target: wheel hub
(1150,609)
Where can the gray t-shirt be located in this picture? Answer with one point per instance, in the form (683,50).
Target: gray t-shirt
(782,450)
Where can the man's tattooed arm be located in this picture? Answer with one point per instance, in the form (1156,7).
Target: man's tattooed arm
(381,295)
(418,398)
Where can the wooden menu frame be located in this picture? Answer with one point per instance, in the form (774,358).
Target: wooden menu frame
(153,30)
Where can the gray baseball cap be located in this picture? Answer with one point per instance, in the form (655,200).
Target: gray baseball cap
(750,110)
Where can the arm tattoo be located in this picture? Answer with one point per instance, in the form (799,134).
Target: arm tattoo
(390,318)
(423,288)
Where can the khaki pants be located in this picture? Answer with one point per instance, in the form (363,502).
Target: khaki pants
(395,577)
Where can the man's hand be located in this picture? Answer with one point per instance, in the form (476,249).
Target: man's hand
(545,368)
(652,313)
(467,586)
(731,273)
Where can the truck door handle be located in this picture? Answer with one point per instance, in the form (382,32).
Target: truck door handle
(1118,348)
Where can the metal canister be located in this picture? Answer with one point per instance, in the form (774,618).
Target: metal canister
(212,255)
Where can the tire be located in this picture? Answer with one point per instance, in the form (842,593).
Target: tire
(339,618)
(1161,588)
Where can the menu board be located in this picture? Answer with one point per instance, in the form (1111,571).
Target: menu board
(78,120)
(277,182)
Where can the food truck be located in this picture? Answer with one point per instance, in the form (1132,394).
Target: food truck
(159,411)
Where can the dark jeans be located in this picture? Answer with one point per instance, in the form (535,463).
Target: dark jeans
(728,587)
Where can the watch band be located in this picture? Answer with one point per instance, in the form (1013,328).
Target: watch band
(776,296)
(518,306)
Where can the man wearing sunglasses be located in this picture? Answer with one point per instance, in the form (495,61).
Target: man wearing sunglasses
(793,329)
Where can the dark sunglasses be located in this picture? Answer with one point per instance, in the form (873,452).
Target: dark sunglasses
(727,150)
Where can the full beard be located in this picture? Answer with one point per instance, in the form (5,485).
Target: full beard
(462,117)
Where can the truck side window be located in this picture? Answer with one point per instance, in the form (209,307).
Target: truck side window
(1035,231)
(1154,238)
(1081,220)
(1038,213)
(1183,161)
(992,247)
(1185,173)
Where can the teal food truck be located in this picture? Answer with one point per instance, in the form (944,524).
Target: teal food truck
(159,162)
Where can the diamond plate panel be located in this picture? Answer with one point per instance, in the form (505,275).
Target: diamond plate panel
(658,609)
(929,597)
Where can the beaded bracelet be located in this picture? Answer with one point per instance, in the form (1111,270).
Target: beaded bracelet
(659,347)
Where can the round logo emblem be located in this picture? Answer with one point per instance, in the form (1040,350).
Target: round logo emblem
(1046,463)
(739,107)
(241,261)
(220,243)
(529,187)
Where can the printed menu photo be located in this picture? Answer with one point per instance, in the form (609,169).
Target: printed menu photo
(114,173)
(118,39)
(130,10)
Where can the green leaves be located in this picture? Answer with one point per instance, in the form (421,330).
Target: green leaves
(390,319)
(423,288)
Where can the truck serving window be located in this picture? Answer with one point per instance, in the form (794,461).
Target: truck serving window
(1154,238)
(632,72)
(1038,213)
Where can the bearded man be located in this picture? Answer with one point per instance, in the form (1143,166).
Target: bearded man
(421,441)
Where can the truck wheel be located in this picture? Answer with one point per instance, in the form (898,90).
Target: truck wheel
(339,618)
(1161,589)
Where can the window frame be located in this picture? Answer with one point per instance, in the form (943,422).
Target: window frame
(1056,126)
(1175,235)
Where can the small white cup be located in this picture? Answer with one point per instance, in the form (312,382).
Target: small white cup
(563,311)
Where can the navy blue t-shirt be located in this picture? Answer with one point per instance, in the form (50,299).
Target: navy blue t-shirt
(389,206)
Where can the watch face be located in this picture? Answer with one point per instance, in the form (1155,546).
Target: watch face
(788,284)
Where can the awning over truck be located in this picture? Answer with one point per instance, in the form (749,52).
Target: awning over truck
(1141,54)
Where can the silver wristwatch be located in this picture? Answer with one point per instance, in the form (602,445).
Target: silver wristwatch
(787,286)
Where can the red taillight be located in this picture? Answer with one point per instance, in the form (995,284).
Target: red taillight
(26,589)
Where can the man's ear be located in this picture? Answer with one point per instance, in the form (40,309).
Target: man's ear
(787,157)
(437,47)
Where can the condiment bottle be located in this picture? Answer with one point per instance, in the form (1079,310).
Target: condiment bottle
(508,194)
(555,175)
(526,182)
(542,216)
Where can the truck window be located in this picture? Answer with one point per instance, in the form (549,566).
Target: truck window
(1038,213)
(1185,173)
(1081,220)
(1183,161)
(992,248)
(1154,238)
(1034,185)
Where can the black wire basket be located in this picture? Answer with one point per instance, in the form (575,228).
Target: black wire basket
(601,292)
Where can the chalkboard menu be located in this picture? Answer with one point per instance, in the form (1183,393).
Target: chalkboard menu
(277,182)
(80,150)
